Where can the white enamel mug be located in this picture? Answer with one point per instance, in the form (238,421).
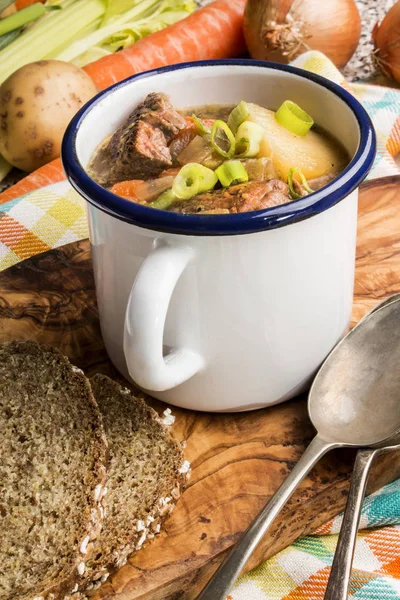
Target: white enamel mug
(223,312)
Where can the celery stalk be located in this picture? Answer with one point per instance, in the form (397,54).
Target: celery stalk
(92,27)
(91,55)
(83,45)
(145,18)
(9,37)
(87,29)
(21,18)
(52,32)
(117,7)
(5,168)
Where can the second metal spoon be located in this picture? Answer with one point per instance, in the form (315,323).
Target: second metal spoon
(339,577)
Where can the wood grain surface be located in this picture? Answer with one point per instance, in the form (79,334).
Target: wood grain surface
(238,460)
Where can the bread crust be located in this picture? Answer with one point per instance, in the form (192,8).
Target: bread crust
(138,531)
(30,352)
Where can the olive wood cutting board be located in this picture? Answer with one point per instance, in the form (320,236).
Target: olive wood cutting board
(238,460)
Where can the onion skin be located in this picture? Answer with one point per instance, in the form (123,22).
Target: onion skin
(386,39)
(280,30)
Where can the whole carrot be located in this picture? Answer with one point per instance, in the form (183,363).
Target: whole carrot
(24,3)
(214,31)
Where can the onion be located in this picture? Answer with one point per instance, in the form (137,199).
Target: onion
(280,30)
(386,39)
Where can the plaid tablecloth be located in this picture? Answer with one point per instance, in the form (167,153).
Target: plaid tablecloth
(55,215)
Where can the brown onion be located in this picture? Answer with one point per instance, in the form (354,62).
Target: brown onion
(386,39)
(280,30)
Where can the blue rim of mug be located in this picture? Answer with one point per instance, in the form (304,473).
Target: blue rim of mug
(233,224)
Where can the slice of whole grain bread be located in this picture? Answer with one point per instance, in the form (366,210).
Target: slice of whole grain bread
(146,473)
(52,472)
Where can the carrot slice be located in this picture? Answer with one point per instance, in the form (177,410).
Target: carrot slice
(190,124)
(126,189)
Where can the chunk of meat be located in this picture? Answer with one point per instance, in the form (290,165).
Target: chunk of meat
(320,182)
(139,148)
(245,197)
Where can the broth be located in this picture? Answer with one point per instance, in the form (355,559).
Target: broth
(216,159)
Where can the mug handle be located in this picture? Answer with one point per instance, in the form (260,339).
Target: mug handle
(145,317)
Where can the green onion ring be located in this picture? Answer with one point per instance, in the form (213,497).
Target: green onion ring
(193,179)
(203,130)
(248,139)
(303,180)
(231,173)
(237,116)
(216,128)
(164,201)
(293,118)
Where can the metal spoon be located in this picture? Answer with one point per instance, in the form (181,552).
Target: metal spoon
(343,408)
(338,583)
(339,577)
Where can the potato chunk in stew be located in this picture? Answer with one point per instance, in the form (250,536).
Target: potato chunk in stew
(314,154)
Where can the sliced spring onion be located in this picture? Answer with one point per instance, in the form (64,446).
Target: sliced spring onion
(193,179)
(293,118)
(202,129)
(165,201)
(303,182)
(22,17)
(222,139)
(248,139)
(231,173)
(237,116)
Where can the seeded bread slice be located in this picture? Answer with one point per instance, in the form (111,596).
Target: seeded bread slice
(52,472)
(146,473)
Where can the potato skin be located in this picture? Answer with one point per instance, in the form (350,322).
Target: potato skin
(36,104)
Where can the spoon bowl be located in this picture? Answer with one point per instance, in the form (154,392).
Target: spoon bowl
(355,396)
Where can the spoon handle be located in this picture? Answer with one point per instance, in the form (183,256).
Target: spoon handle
(338,583)
(224,578)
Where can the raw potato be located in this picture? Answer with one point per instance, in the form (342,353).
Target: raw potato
(36,104)
(313,153)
